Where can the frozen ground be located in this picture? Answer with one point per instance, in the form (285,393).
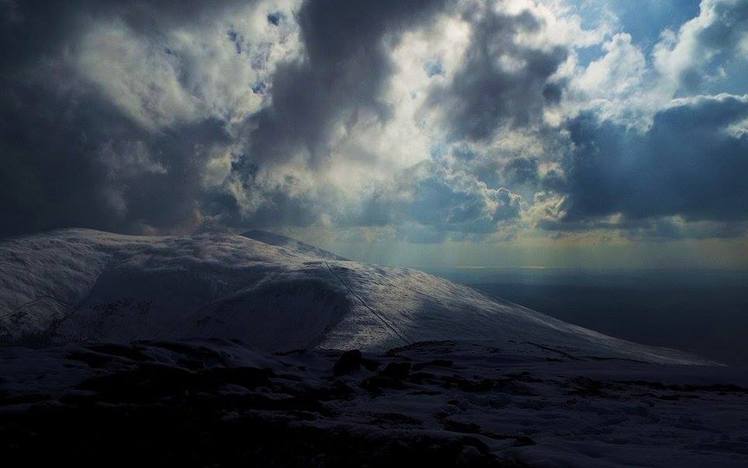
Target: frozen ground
(218,403)
(227,350)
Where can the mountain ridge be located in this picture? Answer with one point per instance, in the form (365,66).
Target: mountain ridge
(80,285)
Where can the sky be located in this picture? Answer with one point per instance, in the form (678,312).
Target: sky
(506,133)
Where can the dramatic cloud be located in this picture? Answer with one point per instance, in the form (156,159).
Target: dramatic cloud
(343,73)
(113,116)
(426,120)
(692,162)
(436,200)
(73,160)
(699,49)
(503,82)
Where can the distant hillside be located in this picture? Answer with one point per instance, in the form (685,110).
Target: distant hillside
(266,290)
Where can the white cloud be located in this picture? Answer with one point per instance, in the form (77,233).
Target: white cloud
(136,75)
(683,58)
(616,74)
(185,73)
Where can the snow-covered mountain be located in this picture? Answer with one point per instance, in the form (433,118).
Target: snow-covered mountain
(268,291)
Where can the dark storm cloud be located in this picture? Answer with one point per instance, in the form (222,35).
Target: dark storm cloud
(55,171)
(72,157)
(69,156)
(32,30)
(282,202)
(501,81)
(344,72)
(691,163)
(85,141)
(47,177)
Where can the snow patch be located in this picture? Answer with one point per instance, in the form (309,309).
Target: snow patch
(271,292)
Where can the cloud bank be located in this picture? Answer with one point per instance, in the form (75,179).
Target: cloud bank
(426,120)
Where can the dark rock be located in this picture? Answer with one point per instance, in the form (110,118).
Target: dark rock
(370,364)
(397,370)
(469,456)
(133,352)
(395,419)
(457,426)
(523,441)
(349,361)
(376,383)
(468,385)
(144,383)
(434,363)
(92,359)
(584,386)
(248,377)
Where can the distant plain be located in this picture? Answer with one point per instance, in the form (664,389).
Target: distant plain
(702,311)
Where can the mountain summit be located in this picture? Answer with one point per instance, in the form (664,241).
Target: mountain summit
(268,291)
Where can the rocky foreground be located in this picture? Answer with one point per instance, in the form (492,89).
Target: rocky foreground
(220,403)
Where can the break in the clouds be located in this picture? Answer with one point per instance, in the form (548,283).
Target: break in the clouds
(427,120)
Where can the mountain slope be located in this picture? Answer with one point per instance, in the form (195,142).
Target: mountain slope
(278,240)
(270,292)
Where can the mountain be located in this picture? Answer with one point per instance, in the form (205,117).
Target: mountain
(270,292)
(231,350)
(272,238)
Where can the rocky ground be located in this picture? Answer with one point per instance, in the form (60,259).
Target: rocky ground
(220,403)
